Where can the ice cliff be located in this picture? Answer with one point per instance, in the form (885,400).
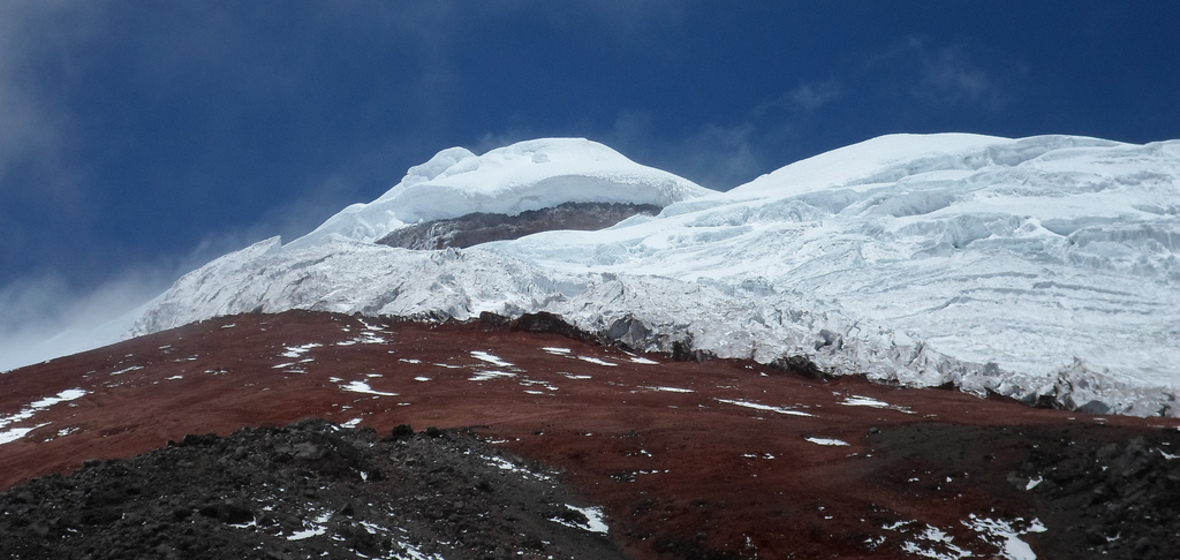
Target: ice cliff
(1038,268)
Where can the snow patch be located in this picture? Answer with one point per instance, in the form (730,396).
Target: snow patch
(13,434)
(485,375)
(857,400)
(597,361)
(757,406)
(362,387)
(491,359)
(938,545)
(28,411)
(594,520)
(1005,536)
(827,441)
(667,389)
(312,529)
(296,352)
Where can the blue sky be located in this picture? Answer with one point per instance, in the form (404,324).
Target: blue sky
(140,139)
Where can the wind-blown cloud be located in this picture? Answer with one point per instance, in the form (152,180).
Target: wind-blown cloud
(33,130)
(911,79)
(715,155)
(812,96)
(804,98)
(905,77)
(949,76)
(942,76)
(45,318)
(338,79)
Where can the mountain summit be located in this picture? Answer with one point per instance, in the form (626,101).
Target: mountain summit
(524,176)
(1040,268)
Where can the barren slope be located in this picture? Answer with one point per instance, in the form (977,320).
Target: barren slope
(714,459)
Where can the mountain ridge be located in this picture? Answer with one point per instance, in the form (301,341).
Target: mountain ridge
(1035,268)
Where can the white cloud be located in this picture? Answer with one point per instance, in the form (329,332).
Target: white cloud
(949,76)
(946,75)
(904,76)
(45,318)
(32,127)
(806,97)
(722,156)
(717,156)
(492,140)
(43,315)
(812,96)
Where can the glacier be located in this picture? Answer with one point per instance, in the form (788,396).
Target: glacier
(1039,268)
(524,176)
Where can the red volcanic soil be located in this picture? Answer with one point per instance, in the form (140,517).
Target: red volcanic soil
(713,459)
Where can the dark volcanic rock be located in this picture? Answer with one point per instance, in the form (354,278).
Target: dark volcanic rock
(480,227)
(1099,492)
(1117,499)
(688,459)
(309,490)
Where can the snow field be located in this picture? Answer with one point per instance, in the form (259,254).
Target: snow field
(1043,266)
(510,180)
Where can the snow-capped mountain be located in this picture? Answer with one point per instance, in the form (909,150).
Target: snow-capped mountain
(510,180)
(1035,267)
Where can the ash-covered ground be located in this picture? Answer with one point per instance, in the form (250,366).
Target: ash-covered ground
(1112,499)
(710,459)
(309,490)
(315,489)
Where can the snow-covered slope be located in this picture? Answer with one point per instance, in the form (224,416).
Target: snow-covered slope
(524,176)
(1043,266)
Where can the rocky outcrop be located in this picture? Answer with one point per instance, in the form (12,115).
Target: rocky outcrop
(480,227)
(308,490)
(1113,499)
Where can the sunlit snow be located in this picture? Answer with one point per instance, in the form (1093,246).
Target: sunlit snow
(313,529)
(485,375)
(667,389)
(362,387)
(827,441)
(1036,266)
(490,358)
(524,176)
(768,408)
(858,400)
(1003,535)
(295,352)
(594,519)
(597,361)
(29,411)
